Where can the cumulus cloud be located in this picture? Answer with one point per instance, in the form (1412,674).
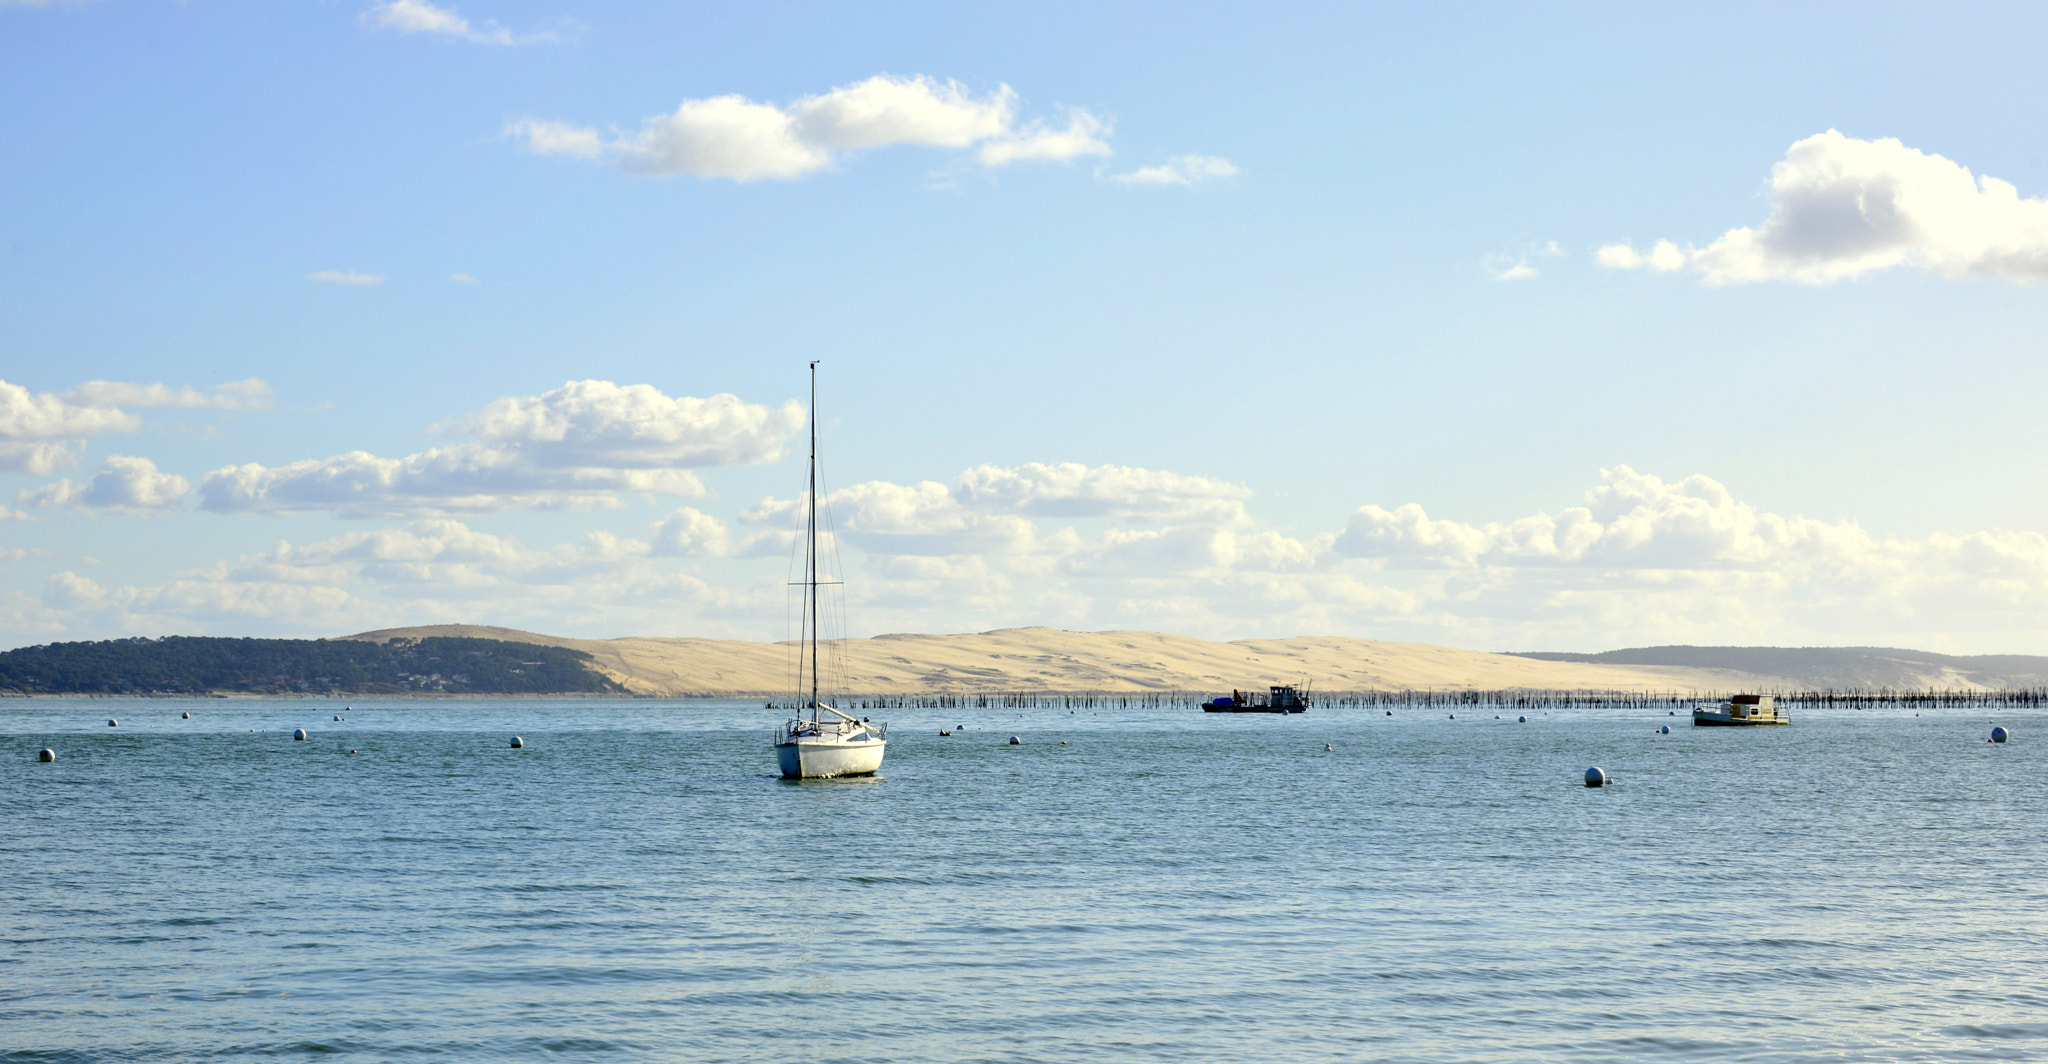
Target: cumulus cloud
(42,432)
(1186,171)
(344,277)
(739,139)
(418,16)
(576,447)
(988,510)
(1843,207)
(122,482)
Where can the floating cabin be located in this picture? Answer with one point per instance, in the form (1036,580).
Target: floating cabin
(1741,711)
(1283,698)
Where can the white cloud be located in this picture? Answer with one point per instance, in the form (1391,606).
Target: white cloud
(250,394)
(738,139)
(418,16)
(1514,266)
(1072,490)
(1085,134)
(691,533)
(1663,257)
(344,277)
(988,509)
(1184,170)
(122,482)
(576,447)
(885,110)
(462,278)
(44,432)
(1843,207)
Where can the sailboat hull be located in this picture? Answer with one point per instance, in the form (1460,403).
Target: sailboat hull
(811,759)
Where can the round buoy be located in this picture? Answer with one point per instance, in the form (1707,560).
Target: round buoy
(184,716)
(111,723)
(1595,777)
(337,716)
(1390,713)
(1063,742)
(1999,735)
(1496,716)
(1673,713)
(1327,748)
(1454,716)
(1014,741)
(518,743)
(298,734)
(1665,730)
(1521,720)
(46,755)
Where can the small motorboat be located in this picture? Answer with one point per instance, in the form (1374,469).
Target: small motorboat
(1741,711)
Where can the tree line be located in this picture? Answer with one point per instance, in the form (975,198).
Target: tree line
(199,665)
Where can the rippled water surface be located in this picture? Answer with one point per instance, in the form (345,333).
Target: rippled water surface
(636,885)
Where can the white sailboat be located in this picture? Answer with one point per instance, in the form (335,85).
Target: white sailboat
(826,742)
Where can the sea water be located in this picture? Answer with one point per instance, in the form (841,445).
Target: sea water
(637,885)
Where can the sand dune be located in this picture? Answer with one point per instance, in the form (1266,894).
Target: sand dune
(1050,660)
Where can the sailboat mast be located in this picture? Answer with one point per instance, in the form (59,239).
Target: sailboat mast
(811,544)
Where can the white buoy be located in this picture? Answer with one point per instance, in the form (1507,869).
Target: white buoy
(111,723)
(298,734)
(518,743)
(1595,777)
(1014,741)
(46,755)
(1999,735)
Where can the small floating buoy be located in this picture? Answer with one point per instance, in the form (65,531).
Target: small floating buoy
(1454,716)
(351,751)
(1496,716)
(184,716)
(1595,777)
(517,742)
(1390,713)
(944,734)
(1665,730)
(337,716)
(46,755)
(1014,741)
(1999,735)
(1327,748)
(1673,713)
(1063,742)
(298,734)
(111,723)
(1521,720)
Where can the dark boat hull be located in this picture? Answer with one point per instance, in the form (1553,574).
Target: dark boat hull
(1250,709)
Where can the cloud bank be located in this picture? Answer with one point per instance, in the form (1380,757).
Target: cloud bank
(738,139)
(42,432)
(122,482)
(572,448)
(1842,208)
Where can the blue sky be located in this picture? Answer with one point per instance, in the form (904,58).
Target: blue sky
(1235,321)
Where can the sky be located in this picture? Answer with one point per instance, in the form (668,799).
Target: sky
(1496,326)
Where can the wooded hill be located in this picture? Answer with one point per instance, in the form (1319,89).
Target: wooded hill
(198,665)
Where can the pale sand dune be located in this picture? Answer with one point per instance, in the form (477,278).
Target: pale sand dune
(1050,660)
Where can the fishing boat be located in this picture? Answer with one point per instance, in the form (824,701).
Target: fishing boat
(1740,711)
(821,742)
(1280,698)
